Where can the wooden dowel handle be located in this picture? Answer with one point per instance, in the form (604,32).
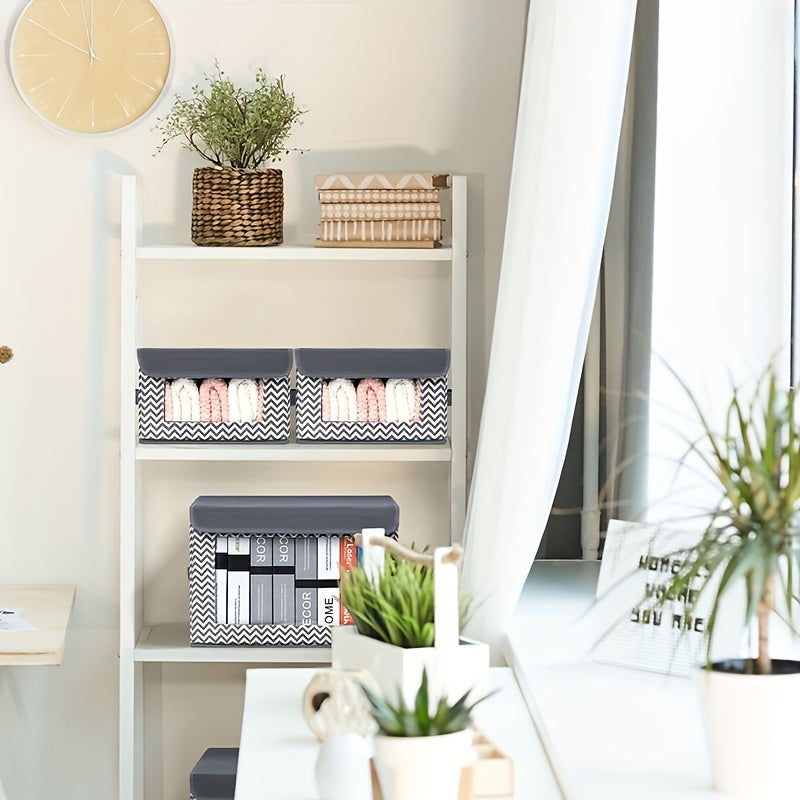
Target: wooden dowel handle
(399,550)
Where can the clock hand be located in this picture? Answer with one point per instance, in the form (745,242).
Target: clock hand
(60,39)
(89,29)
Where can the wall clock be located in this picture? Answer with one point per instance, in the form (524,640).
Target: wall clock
(90,66)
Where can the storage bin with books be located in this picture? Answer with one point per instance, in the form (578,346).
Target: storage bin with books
(211,395)
(264,570)
(372,395)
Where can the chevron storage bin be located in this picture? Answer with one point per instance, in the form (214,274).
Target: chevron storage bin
(207,395)
(263,570)
(372,395)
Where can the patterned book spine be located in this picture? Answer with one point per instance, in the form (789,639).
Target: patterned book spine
(238,580)
(378,195)
(221,578)
(381,230)
(261,580)
(382,180)
(283,591)
(328,575)
(305,573)
(380,211)
(348,558)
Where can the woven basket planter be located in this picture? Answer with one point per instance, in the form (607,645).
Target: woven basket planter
(237,207)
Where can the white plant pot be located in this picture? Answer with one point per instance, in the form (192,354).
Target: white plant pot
(451,673)
(753,728)
(342,769)
(422,767)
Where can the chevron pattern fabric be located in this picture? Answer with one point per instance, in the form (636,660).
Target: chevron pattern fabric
(431,427)
(205,630)
(154,428)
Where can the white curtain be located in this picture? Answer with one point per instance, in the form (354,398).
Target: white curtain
(575,72)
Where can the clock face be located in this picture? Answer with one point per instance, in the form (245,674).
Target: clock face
(90,66)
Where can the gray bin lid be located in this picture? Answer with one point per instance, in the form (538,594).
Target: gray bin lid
(214,362)
(372,362)
(295,514)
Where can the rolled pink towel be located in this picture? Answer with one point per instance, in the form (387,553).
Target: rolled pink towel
(214,400)
(167,402)
(371,400)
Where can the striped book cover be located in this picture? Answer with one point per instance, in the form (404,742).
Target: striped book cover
(429,230)
(382,180)
(379,211)
(260,580)
(305,573)
(378,195)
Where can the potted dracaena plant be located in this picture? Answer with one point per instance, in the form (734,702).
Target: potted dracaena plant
(407,617)
(422,746)
(750,544)
(236,201)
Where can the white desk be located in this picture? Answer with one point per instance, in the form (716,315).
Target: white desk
(47,608)
(277,751)
(612,733)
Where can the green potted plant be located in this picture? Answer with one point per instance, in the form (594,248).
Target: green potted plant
(750,544)
(236,201)
(422,746)
(408,617)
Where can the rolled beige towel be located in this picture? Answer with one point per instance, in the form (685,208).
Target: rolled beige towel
(342,400)
(401,403)
(185,400)
(243,400)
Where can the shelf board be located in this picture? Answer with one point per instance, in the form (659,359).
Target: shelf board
(293,452)
(289,252)
(170,643)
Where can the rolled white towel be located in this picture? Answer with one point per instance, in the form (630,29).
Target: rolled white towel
(185,400)
(243,400)
(342,400)
(400,400)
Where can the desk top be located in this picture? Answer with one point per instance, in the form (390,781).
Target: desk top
(47,609)
(277,751)
(612,733)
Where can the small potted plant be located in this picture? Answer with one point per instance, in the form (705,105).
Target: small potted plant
(750,544)
(236,201)
(422,746)
(408,616)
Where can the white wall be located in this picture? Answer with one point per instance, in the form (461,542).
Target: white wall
(389,84)
(722,217)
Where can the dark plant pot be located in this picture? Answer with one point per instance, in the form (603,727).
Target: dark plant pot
(746,666)
(751,723)
(237,207)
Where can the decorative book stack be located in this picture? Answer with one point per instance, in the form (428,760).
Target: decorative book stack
(391,209)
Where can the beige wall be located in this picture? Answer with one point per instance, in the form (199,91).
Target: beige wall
(389,84)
